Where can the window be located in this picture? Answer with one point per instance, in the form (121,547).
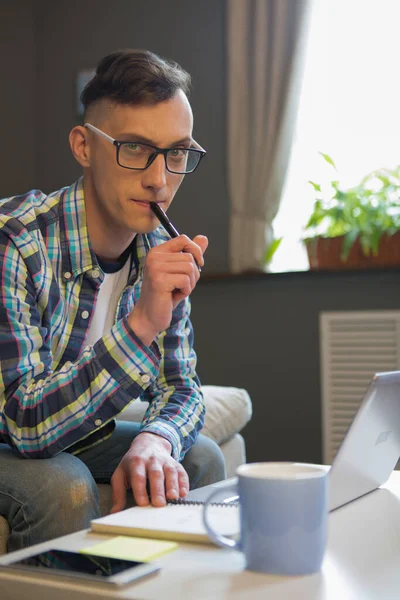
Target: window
(349,108)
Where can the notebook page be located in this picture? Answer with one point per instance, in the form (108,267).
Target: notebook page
(184,519)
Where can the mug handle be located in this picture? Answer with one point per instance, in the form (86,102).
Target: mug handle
(218,538)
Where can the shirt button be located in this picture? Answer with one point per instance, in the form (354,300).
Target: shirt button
(98,422)
(145,378)
(67,275)
(95,273)
(84,314)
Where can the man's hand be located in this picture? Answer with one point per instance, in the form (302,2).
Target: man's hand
(149,458)
(170,275)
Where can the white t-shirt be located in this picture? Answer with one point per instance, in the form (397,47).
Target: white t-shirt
(107,300)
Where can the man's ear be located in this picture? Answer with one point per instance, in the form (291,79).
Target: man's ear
(78,141)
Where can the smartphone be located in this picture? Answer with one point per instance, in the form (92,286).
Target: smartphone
(87,567)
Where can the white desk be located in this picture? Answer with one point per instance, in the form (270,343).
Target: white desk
(362,562)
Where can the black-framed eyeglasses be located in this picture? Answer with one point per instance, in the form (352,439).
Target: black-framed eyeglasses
(138,155)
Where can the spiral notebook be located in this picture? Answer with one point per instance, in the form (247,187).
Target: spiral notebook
(178,521)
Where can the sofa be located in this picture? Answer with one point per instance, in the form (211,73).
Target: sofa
(228,409)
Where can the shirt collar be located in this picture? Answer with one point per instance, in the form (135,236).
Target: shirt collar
(78,256)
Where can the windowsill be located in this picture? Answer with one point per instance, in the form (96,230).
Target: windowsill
(251,275)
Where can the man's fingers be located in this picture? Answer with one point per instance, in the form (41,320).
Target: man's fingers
(176,274)
(171,482)
(156,480)
(175,257)
(118,490)
(183,243)
(138,483)
(201,241)
(176,481)
(174,265)
(179,282)
(183,480)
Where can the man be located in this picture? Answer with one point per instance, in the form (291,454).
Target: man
(95,313)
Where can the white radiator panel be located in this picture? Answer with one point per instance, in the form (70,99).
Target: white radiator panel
(353,346)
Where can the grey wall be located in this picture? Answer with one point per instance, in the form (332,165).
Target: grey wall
(76,34)
(17,97)
(261,333)
(43,44)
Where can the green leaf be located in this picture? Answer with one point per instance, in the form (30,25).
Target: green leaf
(270,251)
(376,236)
(316,187)
(328,160)
(348,243)
(365,243)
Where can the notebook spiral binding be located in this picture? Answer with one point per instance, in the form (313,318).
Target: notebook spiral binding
(183,502)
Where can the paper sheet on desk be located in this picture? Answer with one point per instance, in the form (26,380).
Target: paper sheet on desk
(130,548)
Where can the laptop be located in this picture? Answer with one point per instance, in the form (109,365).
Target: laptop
(371,447)
(368,453)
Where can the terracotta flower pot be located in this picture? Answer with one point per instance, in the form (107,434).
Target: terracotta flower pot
(324,253)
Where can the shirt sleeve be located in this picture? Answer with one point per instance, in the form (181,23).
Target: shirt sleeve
(176,410)
(43,412)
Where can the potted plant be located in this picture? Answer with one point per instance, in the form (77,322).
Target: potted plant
(358,227)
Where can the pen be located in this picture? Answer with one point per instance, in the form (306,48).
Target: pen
(166,223)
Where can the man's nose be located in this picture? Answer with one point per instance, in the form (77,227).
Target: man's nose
(155,175)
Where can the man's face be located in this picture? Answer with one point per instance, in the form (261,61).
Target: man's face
(117,199)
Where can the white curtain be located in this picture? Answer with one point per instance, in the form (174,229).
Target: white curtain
(265,56)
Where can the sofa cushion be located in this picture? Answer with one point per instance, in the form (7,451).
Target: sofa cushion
(228,409)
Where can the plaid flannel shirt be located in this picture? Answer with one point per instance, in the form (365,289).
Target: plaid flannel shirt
(57,393)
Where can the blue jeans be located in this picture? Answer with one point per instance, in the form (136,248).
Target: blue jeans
(47,498)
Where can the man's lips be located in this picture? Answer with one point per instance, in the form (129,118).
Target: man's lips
(147,202)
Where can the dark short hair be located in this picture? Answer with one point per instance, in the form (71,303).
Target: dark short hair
(135,77)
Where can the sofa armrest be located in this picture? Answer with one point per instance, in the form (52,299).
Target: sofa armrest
(234,451)
(4,533)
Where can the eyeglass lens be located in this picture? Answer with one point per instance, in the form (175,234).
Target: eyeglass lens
(137,156)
